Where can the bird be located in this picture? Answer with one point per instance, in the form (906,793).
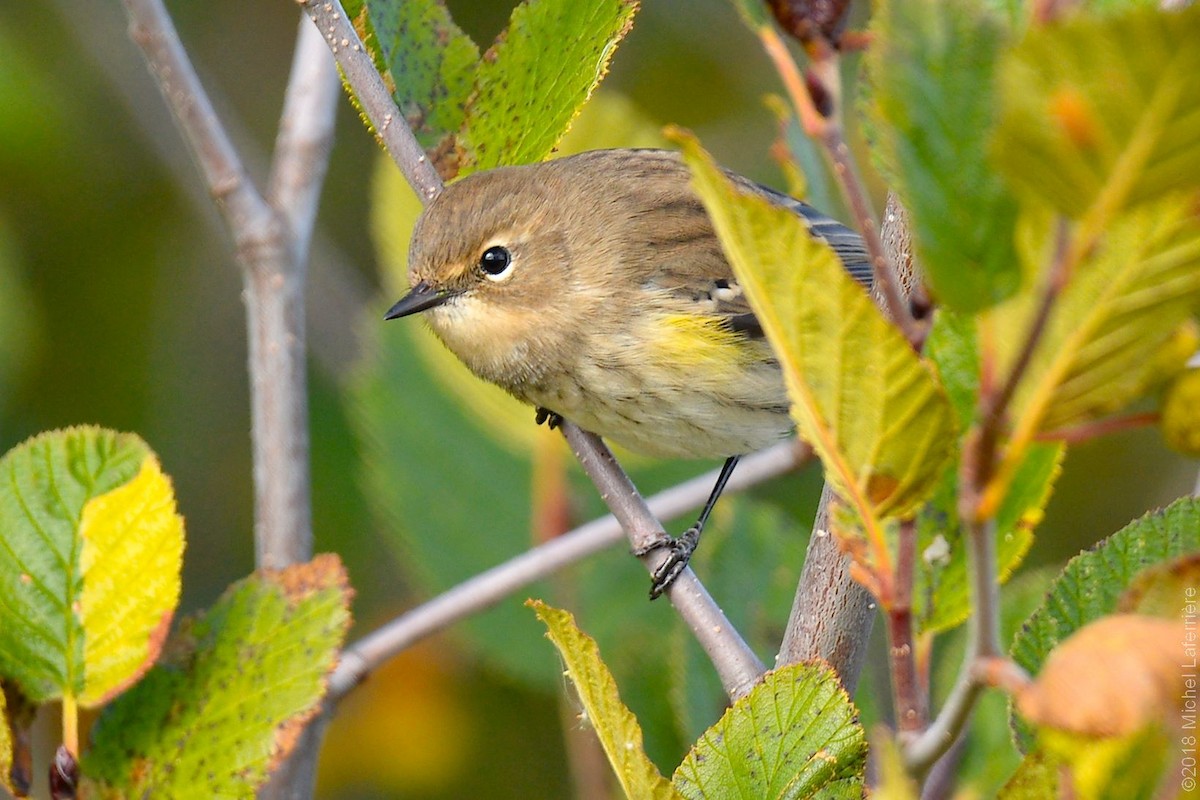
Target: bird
(594,288)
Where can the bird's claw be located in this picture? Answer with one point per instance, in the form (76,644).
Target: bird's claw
(548,417)
(679,552)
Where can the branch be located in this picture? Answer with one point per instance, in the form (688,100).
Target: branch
(908,694)
(832,613)
(305,138)
(270,245)
(374,97)
(736,664)
(488,588)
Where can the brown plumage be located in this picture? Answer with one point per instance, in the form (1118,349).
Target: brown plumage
(594,287)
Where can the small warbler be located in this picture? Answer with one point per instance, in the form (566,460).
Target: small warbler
(594,287)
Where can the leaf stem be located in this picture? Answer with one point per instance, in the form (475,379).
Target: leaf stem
(1102,427)
(988,482)
(70,724)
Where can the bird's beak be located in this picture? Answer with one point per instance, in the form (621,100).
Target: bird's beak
(419,298)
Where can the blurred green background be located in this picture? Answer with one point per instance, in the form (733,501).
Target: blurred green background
(120,305)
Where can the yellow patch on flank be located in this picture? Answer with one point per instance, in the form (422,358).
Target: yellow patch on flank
(698,341)
(130,563)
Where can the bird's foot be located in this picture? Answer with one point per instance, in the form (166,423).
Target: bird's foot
(548,417)
(679,552)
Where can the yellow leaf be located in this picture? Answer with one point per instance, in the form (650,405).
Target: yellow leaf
(129,564)
(618,730)
(873,410)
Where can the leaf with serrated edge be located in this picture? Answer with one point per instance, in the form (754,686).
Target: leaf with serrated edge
(45,484)
(932,68)
(617,728)
(431,61)
(1092,582)
(1098,112)
(795,734)
(130,563)
(871,408)
(249,673)
(532,82)
(1125,302)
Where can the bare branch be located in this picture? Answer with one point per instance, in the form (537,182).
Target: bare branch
(831,614)
(305,138)
(736,664)
(271,258)
(488,588)
(245,211)
(373,96)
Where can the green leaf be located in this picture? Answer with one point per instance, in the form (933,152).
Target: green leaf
(229,707)
(1099,113)
(932,70)
(941,596)
(953,347)
(90,555)
(794,735)
(430,60)
(532,82)
(871,408)
(1092,582)
(618,730)
(1125,302)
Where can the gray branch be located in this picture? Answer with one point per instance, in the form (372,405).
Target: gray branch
(736,664)
(488,588)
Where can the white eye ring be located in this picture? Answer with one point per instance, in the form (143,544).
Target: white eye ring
(496,263)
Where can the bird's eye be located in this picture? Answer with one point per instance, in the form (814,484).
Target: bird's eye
(496,262)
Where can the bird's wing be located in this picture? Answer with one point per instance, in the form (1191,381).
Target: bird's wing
(846,242)
(706,277)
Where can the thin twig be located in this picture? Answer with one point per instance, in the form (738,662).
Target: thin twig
(1101,427)
(305,138)
(373,96)
(736,664)
(822,124)
(908,695)
(245,211)
(488,588)
(993,405)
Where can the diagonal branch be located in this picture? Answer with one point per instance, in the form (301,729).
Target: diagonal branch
(736,664)
(373,96)
(488,588)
